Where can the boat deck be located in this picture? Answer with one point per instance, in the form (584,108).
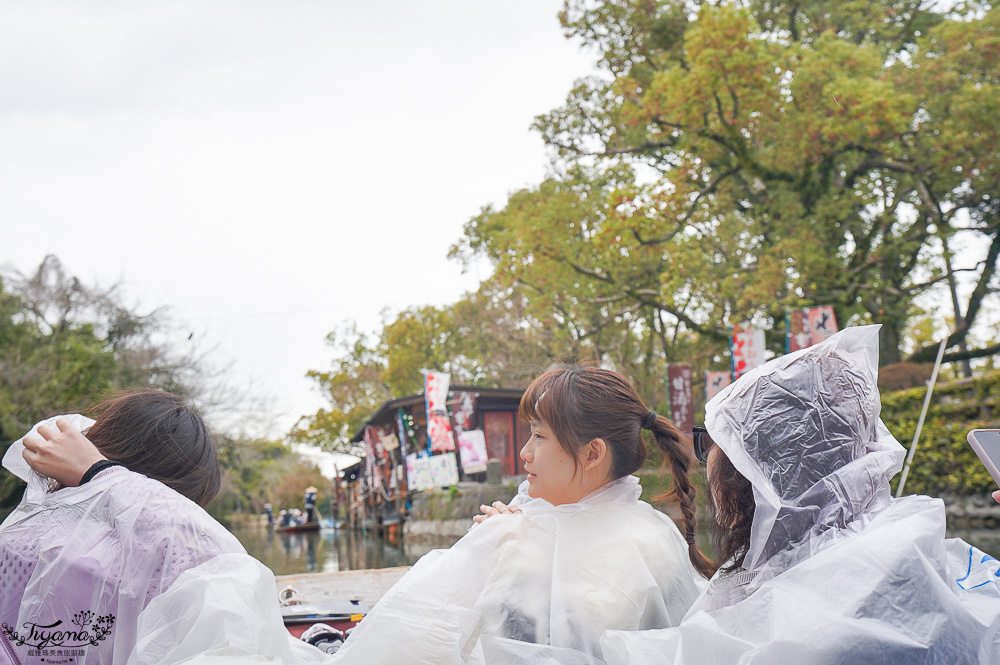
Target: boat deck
(368,586)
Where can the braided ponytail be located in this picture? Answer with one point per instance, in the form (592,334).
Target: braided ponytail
(681,457)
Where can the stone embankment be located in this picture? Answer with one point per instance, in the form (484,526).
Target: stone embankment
(447,514)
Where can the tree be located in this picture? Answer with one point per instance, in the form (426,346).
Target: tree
(64,344)
(788,154)
(485,339)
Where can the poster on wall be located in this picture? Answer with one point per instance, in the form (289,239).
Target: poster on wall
(472,451)
(419,473)
(715,382)
(444,469)
(681,402)
(439,437)
(747,348)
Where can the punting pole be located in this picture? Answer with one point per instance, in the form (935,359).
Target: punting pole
(923,414)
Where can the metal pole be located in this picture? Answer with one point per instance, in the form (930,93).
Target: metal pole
(923,414)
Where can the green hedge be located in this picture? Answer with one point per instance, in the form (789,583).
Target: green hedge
(944,463)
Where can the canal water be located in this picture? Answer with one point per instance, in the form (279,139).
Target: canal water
(333,550)
(329,550)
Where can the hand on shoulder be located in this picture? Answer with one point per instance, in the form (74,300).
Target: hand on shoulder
(497,508)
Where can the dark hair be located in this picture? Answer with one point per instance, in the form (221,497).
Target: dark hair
(156,434)
(583,403)
(734,506)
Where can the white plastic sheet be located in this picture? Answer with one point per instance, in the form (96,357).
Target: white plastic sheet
(88,560)
(534,588)
(837,570)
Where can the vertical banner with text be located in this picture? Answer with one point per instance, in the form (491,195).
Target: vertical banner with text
(747,348)
(439,436)
(680,398)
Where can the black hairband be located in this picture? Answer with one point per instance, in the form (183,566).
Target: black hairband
(648,422)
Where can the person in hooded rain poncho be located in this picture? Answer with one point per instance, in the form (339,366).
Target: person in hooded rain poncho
(824,565)
(537,582)
(78,565)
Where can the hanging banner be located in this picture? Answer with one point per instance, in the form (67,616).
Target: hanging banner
(796,330)
(439,436)
(679,397)
(472,451)
(374,473)
(385,439)
(463,412)
(822,323)
(715,382)
(747,348)
(404,426)
(444,468)
(809,326)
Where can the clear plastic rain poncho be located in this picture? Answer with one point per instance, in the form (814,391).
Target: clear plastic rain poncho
(534,588)
(78,565)
(837,570)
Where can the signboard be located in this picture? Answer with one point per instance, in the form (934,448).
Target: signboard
(715,382)
(805,327)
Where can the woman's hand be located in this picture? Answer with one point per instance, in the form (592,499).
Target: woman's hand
(498,508)
(63,454)
(996,496)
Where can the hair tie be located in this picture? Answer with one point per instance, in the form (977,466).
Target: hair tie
(648,422)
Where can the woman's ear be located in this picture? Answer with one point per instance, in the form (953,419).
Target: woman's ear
(595,454)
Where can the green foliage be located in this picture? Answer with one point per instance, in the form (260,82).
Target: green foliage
(63,345)
(944,463)
(259,471)
(731,161)
(488,338)
(801,153)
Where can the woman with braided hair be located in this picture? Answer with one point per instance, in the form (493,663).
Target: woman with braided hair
(591,413)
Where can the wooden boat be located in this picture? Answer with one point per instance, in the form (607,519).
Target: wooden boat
(297,528)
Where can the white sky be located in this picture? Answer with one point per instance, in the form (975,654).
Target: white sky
(270,170)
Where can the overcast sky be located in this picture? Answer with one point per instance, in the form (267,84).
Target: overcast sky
(270,170)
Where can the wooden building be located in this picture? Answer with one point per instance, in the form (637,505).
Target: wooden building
(375,495)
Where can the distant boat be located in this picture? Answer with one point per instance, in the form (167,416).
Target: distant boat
(296,528)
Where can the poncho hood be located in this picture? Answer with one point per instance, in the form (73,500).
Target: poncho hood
(805,430)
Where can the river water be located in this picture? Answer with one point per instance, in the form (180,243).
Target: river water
(332,550)
(329,550)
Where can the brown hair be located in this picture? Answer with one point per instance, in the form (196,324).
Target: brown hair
(734,506)
(156,434)
(583,403)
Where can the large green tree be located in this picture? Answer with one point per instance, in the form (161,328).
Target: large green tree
(735,160)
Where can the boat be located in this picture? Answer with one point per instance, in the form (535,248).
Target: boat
(297,528)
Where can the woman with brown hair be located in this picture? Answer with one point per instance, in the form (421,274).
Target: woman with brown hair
(81,558)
